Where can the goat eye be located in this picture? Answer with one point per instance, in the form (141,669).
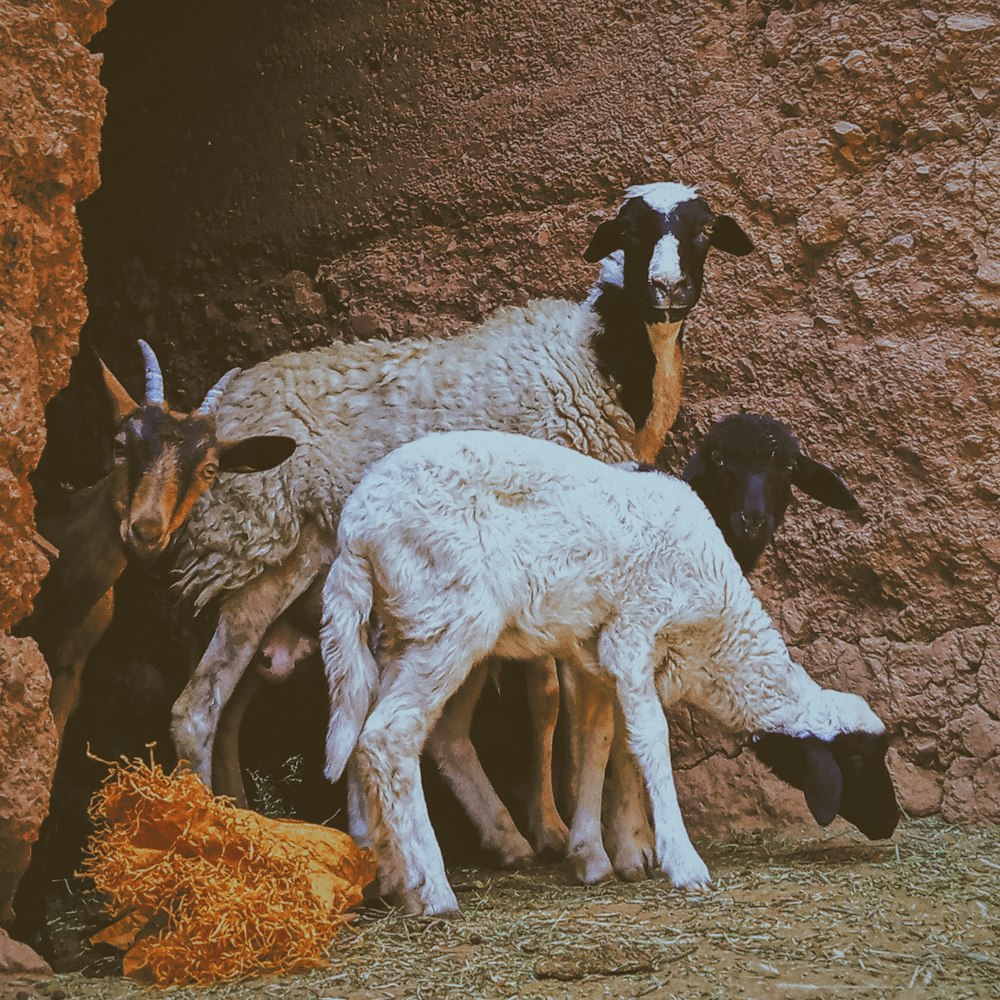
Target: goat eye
(209,471)
(118,445)
(718,459)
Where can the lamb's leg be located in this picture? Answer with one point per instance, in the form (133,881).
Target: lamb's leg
(243,620)
(548,831)
(592,720)
(648,739)
(628,835)
(456,759)
(415,687)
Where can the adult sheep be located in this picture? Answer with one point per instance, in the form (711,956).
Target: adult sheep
(601,376)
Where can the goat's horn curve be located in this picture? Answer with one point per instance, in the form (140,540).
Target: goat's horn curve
(154,377)
(214,394)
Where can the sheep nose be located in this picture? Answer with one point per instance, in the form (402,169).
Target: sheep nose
(147,529)
(753,522)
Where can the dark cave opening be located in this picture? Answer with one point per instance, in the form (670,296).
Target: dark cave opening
(199,219)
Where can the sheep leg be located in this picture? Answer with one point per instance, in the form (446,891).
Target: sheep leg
(415,688)
(592,727)
(227,774)
(458,763)
(649,740)
(243,620)
(628,835)
(548,832)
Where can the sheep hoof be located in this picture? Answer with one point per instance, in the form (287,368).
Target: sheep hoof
(514,853)
(689,873)
(590,866)
(635,863)
(550,840)
(428,901)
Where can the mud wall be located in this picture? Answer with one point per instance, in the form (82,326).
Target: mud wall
(280,173)
(51,110)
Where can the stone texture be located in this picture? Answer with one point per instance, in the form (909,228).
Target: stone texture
(51,110)
(18,957)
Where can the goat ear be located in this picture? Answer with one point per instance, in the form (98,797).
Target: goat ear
(122,404)
(255,454)
(608,238)
(823,783)
(822,483)
(729,237)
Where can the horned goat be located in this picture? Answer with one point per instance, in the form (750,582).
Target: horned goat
(465,545)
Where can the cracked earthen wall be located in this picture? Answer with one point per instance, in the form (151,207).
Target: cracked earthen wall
(51,110)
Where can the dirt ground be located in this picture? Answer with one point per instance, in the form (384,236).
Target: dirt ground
(825,916)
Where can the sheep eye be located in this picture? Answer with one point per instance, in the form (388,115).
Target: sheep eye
(209,471)
(790,467)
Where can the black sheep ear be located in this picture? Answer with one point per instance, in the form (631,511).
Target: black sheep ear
(822,483)
(695,471)
(729,237)
(608,238)
(823,783)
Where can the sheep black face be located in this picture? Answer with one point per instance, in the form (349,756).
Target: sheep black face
(744,470)
(660,239)
(845,776)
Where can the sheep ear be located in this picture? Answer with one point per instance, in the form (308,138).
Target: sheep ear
(254,454)
(822,483)
(696,469)
(823,783)
(729,237)
(608,238)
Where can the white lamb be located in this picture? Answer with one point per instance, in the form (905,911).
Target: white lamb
(468,544)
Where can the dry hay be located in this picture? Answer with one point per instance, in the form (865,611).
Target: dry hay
(202,892)
(828,917)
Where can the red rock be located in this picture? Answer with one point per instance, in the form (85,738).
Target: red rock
(18,957)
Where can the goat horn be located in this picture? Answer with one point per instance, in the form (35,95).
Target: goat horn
(215,393)
(154,377)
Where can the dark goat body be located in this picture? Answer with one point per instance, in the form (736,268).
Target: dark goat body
(163,462)
(744,470)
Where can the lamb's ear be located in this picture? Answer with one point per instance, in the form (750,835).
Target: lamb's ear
(822,483)
(823,783)
(254,454)
(728,236)
(608,238)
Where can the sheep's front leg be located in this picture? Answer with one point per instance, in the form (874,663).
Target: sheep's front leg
(592,721)
(630,662)
(456,759)
(243,620)
(548,831)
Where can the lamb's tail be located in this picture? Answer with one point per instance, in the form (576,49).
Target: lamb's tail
(351,670)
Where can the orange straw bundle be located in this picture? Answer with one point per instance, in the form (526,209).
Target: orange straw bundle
(203,892)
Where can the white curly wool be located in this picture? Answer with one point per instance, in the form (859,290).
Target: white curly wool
(481,543)
(526,370)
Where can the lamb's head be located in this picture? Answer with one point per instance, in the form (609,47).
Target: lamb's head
(744,470)
(843,774)
(656,248)
(165,460)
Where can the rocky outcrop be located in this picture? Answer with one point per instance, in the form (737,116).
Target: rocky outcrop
(51,110)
